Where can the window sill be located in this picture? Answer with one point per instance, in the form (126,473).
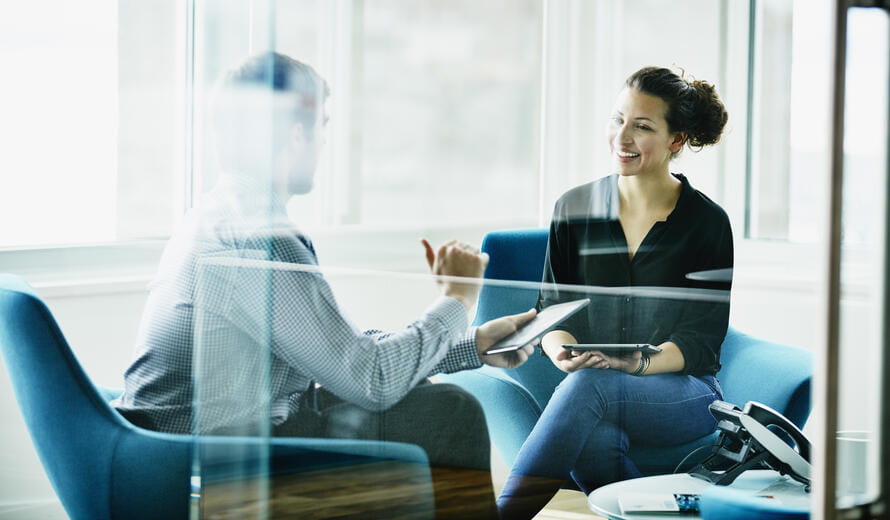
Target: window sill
(128,266)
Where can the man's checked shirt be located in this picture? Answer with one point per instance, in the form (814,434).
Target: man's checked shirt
(239,323)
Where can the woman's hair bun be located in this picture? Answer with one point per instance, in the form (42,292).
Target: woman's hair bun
(712,115)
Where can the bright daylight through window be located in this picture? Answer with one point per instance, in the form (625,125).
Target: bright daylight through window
(90,122)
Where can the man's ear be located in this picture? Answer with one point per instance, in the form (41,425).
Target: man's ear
(678,142)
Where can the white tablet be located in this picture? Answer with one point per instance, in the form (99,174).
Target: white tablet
(541,324)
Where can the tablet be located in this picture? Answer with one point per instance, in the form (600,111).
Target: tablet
(541,324)
(614,348)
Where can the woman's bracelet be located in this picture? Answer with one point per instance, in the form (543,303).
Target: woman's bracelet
(644,364)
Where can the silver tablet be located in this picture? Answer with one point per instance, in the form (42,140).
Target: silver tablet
(541,324)
(613,348)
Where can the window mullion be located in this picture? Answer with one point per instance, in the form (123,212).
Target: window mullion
(340,61)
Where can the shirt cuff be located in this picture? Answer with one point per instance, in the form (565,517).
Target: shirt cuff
(461,356)
(451,314)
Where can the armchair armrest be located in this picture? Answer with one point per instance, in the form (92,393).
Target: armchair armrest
(510,410)
(154,471)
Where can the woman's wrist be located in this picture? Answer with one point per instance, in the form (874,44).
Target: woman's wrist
(549,346)
(642,367)
(551,343)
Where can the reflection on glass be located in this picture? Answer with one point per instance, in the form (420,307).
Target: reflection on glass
(864,209)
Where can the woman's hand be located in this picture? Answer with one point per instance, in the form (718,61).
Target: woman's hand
(575,360)
(570,361)
(628,363)
(670,359)
(566,360)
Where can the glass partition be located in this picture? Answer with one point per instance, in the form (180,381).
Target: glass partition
(396,96)
(273,342)
(863,257)
(276,340)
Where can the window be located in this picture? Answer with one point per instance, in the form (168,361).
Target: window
(90,137)
(433,109)
(434,106)
(450,113)
(786,191)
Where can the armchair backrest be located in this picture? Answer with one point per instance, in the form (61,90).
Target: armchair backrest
(51,387)
(518,255)
(773,374)
(76,433)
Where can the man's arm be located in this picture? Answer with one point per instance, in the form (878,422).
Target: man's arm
(457,259)
(469,352)
(310,332)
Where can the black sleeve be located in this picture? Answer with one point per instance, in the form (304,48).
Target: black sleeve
(702,326)
(559,266)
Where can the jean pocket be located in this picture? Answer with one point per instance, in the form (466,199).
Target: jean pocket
(714,385)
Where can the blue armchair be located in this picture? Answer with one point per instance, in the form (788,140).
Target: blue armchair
(753,369)
(103,467)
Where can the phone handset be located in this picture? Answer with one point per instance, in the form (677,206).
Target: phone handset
(756,437)
(758,420)
(769,417)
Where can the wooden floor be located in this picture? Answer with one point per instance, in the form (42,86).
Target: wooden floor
(390,490)
(567,505)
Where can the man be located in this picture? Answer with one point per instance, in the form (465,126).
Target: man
(242,335)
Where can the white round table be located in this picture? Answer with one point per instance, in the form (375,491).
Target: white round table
(604,501)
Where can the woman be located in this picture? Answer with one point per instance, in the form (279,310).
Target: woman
(636,235)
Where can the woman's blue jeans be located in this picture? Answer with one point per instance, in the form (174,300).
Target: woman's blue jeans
(594,415)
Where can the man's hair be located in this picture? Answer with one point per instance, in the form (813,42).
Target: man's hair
(278,72)
(267,73)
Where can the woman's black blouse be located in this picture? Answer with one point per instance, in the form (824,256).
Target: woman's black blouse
(649,299)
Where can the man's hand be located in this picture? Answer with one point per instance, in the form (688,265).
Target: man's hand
(491,331)
(457,259)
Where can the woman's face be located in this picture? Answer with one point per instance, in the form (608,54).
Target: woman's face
(639,139)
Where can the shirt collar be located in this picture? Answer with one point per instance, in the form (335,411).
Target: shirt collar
(682,207)
(254,196)
(613,204)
